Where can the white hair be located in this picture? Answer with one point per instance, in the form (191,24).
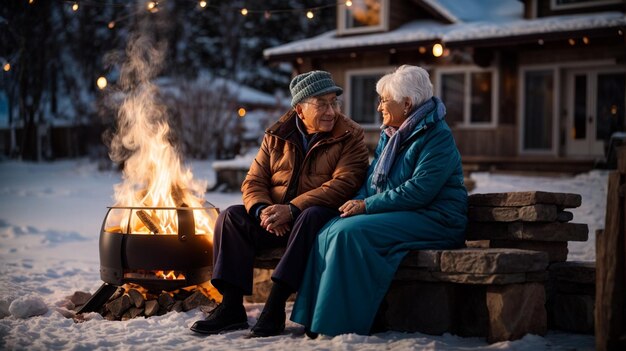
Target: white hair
(406,82)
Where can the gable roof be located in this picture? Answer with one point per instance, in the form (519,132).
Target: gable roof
(471,22)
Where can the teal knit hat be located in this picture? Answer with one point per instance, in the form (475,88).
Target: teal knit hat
(312,83)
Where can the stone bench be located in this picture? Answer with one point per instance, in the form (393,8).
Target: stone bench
(493,292)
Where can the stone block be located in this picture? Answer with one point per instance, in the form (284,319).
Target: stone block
(564,216)
(552,231)
(423,259)
(516,310)
(489,261)
(573,313)
(533,213)
(525,198)
(574,271)
(420,307)
(557,250)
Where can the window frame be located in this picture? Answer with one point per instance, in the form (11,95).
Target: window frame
(467,106)
(347,101)
(381,27)
(554,6)
(556,97)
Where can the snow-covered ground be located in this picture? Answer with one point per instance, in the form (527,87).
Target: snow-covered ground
(50,218)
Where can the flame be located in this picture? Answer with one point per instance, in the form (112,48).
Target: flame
(153,173)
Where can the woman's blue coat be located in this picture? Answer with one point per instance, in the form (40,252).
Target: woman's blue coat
(355,258)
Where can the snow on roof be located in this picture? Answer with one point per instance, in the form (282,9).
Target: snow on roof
(497,22)
(478,10)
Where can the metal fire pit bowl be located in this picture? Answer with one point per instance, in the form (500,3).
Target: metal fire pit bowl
(127,257)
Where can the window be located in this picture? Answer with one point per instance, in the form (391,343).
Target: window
(538,133)
(363,16)
(361,98)
(573,4)
(470,96)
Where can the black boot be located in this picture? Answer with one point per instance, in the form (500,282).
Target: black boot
(272,320)
(229,315)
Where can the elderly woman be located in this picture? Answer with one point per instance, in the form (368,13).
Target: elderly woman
(414,198)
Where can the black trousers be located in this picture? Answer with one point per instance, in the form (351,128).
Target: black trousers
(238,237)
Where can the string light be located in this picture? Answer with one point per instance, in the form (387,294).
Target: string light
(202,4)
(437,50)
(111,25)
(101,83)
(6,67)
(152,6)
(540,41)
(267,15)
(310,15)
(422,49)
(241,112)
(586,40)
(75,6)
(572,42)
(244,11)
(348,3)
(30,2)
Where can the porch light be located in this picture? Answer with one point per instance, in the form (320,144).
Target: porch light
(310,14)
(241,112)
(437,50)
(101,83)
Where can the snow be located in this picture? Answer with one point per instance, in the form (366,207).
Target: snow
(50,218)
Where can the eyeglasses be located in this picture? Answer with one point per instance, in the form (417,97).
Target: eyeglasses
(322,105)
(382,100)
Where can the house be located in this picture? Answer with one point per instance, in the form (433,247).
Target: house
(528,85)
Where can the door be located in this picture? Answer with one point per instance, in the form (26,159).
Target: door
(595,109)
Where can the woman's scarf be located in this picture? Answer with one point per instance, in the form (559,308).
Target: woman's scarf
(389,153)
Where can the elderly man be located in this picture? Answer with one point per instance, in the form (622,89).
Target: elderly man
(310,162)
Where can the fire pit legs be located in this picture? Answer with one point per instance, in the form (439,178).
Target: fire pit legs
(99,298)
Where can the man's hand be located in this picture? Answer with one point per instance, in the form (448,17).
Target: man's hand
(276,219)
(352,208)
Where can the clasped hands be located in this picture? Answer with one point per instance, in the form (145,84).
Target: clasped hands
(276,219)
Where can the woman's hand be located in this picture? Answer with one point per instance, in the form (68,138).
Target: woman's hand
(276,219)
(352,208)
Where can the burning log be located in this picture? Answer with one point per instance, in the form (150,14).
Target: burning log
(148,221)
(177,195)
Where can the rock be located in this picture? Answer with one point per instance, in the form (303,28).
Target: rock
(118,306)
(195,300)
(557,250)
(80,298)
(564,216)
(430,259)
(575,272)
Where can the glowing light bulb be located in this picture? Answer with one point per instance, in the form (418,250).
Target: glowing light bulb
(572,41)
(586,40)
(202,4)
(267,15)
(422,49)
(30,2)
(101,83)
(348,3)
(310,14)
(6,67)
(75,6)
(241,112)
(152,6)
(437,50)
(244,11)
(111,25)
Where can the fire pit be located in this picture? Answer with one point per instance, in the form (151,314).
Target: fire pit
(159,248)
(141,252)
